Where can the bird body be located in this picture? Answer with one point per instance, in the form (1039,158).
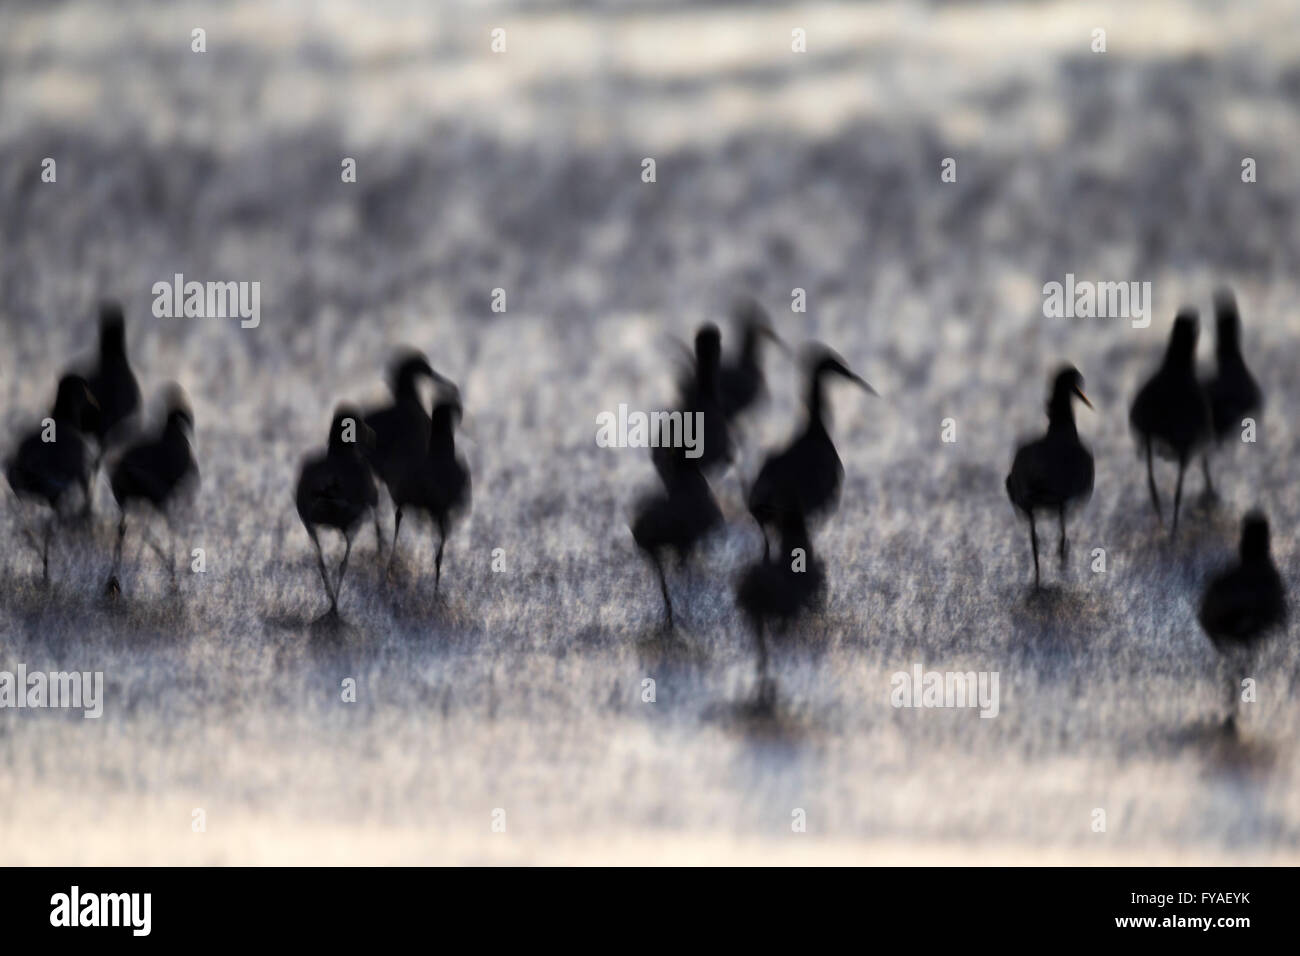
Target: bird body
(401,428)
(700,393)
(779,589)
(676,519)
(805,478)
(741,382)
(1170,415)
(1244,604)
(439,484)
(336,490)
(158,472)
(1055,472)
(51,464)
(112,382)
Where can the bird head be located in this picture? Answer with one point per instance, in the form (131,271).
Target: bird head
(708,346)
(406,369)
(112,329)
(179,413)
(824,361)
(1068,385)
(1227,320)
(1182,341)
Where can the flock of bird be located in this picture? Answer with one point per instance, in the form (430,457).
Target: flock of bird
(1174,416)
(96,422)
(795,486)
(411,451)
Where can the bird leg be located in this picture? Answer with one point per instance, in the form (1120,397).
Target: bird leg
(1033,541)
(761,633)
(1151,483)
(663,587)
(397,526)
(324,576)
(114,587)
(343,568)
(437,558)
(45,552)
(1064,547)
(1178,492)
(1210,493)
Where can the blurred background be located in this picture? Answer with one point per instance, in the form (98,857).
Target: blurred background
(521,170)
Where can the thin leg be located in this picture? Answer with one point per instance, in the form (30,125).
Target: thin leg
(379,534)
(1205,470)
(117,550)
(45,551)
(437,558)
(663,588)
(1151,483)
(1033,541)
(343,568)
(1063,548)
(324,575)
(761,634)
(397,526)
(1178,491)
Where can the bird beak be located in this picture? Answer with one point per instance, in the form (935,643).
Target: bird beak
(859,380)
(1082,397)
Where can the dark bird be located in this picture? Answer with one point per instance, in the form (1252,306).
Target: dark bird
(776,591)
(111,381)
(741,381)
(701,392)
(336,490)
(805,478)
(1243,604)
(1170,414)
(439,483)
(401,429)
(1232,393)
(1055,472)
(53,463)
(674,520)
(158,474)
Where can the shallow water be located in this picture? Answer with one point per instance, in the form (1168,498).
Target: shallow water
(521,690)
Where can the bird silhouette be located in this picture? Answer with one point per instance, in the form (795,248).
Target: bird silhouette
(1232,393)
(336,490)
(1170,414)
(777,590)
(438,485)
(401,428)
(112,382)
(700,391)
(1054,472)
(54,462)
(741,381)
(805,477)
(1244,604)
(674,521)
(158,474)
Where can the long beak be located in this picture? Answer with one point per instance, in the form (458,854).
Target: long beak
(1083,398)
(860,381)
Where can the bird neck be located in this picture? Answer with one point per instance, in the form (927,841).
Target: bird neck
(1060,417)
(749,346)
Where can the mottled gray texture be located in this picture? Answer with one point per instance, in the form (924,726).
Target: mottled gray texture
(521,690)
